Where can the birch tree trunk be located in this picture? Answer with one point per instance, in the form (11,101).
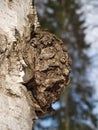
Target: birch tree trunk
(15,110)
(34,66)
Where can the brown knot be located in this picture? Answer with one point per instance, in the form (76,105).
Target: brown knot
(51,68)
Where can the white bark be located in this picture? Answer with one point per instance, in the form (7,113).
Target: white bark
(13,14)
(15,110)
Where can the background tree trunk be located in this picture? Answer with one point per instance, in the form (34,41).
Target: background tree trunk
(15,110)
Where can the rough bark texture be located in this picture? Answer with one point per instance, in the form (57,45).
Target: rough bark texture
(16,112)
(50,64)
(34,66)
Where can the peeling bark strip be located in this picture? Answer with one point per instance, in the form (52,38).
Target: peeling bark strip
(34,66)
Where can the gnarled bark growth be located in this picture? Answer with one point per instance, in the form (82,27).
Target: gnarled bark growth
(50,64)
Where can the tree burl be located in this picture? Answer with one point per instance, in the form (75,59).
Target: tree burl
(48,58)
